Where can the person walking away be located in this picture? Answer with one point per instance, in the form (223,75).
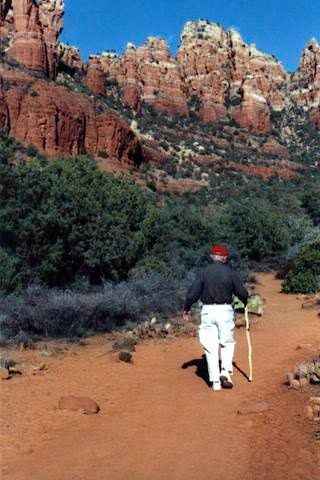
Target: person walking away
(215,286)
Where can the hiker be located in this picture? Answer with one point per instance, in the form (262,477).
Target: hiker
(214,285)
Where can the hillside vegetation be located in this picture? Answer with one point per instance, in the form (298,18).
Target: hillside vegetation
(73,235)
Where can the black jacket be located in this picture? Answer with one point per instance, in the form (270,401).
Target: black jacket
(216,283)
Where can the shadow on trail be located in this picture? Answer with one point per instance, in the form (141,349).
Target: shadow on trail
(240,371)
(202,368)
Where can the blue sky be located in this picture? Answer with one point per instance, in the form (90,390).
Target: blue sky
(280,27)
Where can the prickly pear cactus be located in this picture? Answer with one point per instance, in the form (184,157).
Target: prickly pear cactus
(256,304)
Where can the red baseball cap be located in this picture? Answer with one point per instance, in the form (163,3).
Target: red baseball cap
(220,250)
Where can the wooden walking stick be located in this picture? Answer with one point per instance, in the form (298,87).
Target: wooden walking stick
(249,343)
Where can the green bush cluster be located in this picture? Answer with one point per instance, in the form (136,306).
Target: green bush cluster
(9,148)
(258,230)
(311,202)
(304,274)
(66,218)
(64,221)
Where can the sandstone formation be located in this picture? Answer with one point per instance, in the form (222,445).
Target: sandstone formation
(51,18)
(215,76)
(37,26)
(60,122)
(69,59)
(217,73)
(228,75)
(212,65)
(306,82)
(206,67)
(6,20)
(148,74)
(95,79)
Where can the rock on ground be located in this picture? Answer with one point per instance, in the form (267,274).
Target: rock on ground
(260,406)
(85,404)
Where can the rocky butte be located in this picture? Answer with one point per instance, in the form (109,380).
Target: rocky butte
(306,82)
(220,70)
(37,26)
(49,97)
(38,111)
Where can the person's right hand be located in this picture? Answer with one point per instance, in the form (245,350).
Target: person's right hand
(186,316)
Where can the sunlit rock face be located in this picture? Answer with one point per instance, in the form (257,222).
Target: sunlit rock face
(69,59)
(60,122)
(214,68)
(148,74)
(214,65)
(305,85)
(230,76)
(95,78)
(214,74)
(35,30)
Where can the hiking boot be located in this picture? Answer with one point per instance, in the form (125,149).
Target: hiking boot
(225,380)
(216,385)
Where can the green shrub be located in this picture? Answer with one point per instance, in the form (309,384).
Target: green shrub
(67,218)
(32,151)
(170,167)
(311,203)
(256,228)
(304,275)
(150,264)
(163,144)
(8,147)
(152,184)
(9,271)
(302,233)
(103,154)
(182,234)
(194,103)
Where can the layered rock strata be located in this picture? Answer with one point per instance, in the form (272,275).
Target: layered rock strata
(36,29)
(69,59)
(216,73)
(148,74)
(60,122)
(6,20)
(51,18)
(306,82)
(95,78)
(214,66)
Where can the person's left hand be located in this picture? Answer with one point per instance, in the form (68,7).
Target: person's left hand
(186,316)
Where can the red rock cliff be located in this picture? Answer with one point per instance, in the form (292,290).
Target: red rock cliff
(306,82)
(214,65)
(60,122)
(227,76)
(214,69)
(6,19)
(69,59)
(36,28)
(95,79)
(149,74)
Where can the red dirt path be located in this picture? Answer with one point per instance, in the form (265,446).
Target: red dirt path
(159,421)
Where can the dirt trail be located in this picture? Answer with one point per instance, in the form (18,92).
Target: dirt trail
(159,421)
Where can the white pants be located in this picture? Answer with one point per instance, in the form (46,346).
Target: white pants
(216,329)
